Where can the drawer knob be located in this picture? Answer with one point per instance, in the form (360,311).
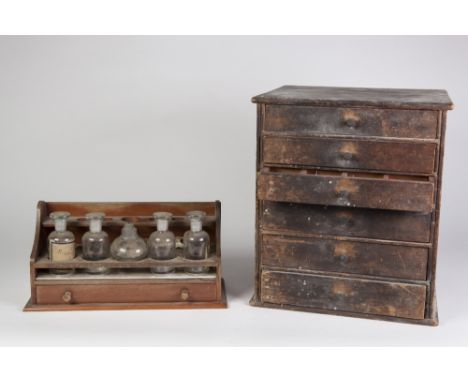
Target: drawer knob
(343,194)
(348,151)
(345,219)
(184,294)
(352,123)
(346,155)
(67,296)
(343,198)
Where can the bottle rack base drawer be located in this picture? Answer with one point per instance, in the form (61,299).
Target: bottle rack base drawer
(127,297)
(121,293)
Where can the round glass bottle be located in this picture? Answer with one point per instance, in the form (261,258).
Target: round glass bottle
(196,241)
(161,243)
(61,242)
(95,242)
(129,246)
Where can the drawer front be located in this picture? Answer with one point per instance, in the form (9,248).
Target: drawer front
(344,294)
(392,156)
(304,120)
(399,195)
(344,256)
(339,221)
(121,293)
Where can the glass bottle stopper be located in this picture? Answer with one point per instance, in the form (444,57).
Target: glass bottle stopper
(95,221)
(196,220)
(162,220)
(60,220)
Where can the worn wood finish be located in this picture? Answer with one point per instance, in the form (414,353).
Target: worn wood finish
(254,301)
(344,294)
(431,309)
(421,99)
(137,289)
(390,156)
(305,121)
(357,222)
(258,208)
(344,256)
(348,189)
(400,195)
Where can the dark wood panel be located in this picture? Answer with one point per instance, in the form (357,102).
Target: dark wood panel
(429,321)
(436,99)
(307,120)
(345,191)
(356,222)
(123,293)
(344,294)
(406,157)
(344,256)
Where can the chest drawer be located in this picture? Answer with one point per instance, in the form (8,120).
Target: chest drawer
(344,256)
(124,293)
(388,194)
(381,156)
(309,120)
(344,294)
(339,221)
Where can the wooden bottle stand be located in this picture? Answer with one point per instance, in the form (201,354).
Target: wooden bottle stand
(130,284)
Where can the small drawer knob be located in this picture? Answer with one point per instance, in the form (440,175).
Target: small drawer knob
(184,294)
(344,252)
(345,219)
(343,194)
(346,155)
(350,118)
(343,198)
(352,123)
(348,151)
(67,296)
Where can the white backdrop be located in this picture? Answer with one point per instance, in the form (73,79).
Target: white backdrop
(170,119)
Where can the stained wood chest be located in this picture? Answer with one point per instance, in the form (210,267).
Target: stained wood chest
(348,200)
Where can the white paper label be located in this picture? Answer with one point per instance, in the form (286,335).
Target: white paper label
(62,252)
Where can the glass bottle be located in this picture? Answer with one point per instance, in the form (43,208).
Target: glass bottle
(196,241)
(95,242)
(161,243)
(61,242)
(129,246)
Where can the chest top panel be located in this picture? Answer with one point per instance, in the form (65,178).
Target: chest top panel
(433,99)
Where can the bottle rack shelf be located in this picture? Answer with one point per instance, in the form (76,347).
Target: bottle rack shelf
(128,284)
(44,262)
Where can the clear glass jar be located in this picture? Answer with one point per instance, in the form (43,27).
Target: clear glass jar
(129,246)
(196,241)
(61,242)
(161,243)
(95,242)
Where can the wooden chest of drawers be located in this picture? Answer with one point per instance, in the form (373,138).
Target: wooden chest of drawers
(348,200)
